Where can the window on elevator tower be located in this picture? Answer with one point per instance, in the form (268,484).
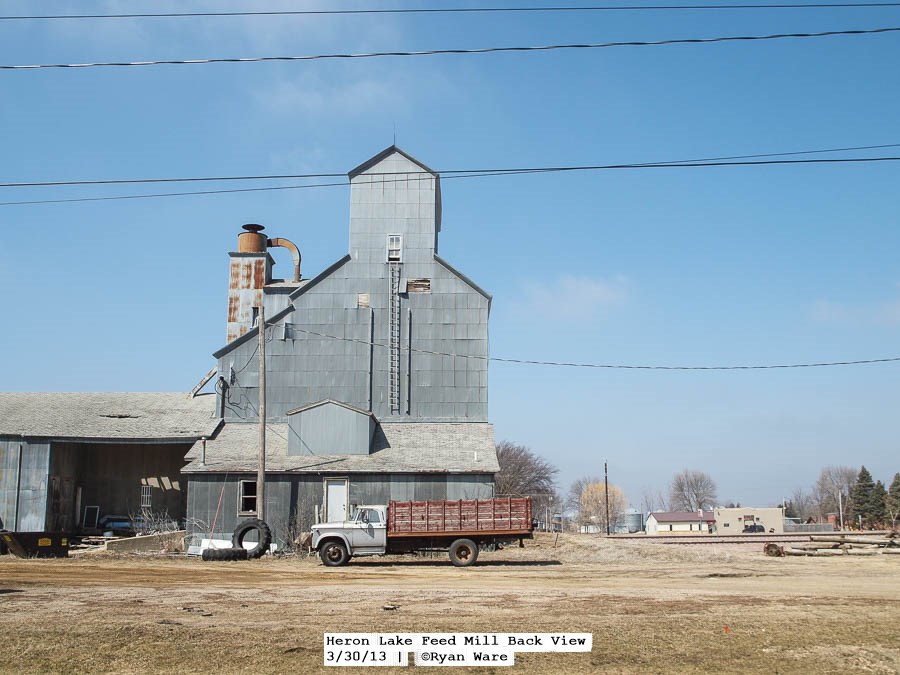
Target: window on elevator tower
(394,247)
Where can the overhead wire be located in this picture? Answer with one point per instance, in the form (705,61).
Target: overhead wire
(436,52)
(484,174)
(607,366)
(459,10)
(444,172)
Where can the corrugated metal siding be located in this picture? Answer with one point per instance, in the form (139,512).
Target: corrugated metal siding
(215,498)
(27,505)
(451,319)
(9,472)
(329,429)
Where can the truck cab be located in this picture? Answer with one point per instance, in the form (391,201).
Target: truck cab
(365,534)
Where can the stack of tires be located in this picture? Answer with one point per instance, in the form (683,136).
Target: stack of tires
(237,550)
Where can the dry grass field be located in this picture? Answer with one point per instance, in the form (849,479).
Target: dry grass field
(651,609)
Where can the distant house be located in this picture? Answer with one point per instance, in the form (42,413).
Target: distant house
(680,522)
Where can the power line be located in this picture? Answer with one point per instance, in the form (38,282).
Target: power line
(607,366)
(457,10)
(447,172)
(435,52)
(485,174)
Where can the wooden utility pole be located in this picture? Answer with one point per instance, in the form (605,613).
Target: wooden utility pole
(606,489)
(261,470)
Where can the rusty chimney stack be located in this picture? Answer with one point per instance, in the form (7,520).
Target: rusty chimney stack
(250,270)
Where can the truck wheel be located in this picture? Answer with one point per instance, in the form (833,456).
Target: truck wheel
(463,552)
(264,537)
(334,554)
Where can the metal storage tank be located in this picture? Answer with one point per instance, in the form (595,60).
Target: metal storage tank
(633,520)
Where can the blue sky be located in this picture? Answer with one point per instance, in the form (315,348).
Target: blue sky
(744,265)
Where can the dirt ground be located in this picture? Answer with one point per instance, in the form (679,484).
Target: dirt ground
(651,609)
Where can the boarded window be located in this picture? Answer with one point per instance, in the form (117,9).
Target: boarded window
(394,247)
(418,286)
(362,300)
(247,497)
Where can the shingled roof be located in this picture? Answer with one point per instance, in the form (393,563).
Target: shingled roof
(108,416)
(398,448)
(683,516)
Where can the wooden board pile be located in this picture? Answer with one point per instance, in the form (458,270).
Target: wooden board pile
(838,544)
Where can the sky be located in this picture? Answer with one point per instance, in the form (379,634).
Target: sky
(747,265)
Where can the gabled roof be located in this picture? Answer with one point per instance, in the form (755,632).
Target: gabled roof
(387,152)
(108,416)
(327,401)
(398,447)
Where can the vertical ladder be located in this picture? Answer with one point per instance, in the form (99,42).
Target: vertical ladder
(394,368)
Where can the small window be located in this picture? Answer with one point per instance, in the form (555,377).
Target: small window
(726,525)
(146,497)
(247,497)
(362,300)
(394,247)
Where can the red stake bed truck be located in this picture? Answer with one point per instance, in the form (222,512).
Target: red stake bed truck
(460,527)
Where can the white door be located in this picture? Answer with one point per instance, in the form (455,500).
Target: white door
(335,500)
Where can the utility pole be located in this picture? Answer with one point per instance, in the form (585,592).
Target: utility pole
(841,509)
(261,470)
(606,488)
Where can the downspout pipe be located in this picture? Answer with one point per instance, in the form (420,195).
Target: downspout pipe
(290,246)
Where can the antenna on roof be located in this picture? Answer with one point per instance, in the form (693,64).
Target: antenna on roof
(395,134)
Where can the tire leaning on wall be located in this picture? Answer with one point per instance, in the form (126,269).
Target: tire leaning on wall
(264,537)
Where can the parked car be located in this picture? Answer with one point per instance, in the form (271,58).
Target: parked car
(752,529)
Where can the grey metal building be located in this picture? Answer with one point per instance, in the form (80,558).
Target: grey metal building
(376,369)
(377,389)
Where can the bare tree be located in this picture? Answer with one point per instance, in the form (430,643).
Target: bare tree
(525,474)
(831,493)
(653,500)
(801,505)
(692,490)
(573,499)
(593,507)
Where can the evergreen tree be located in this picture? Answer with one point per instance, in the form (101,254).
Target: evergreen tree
(861,498)
(892,502)
(879,505)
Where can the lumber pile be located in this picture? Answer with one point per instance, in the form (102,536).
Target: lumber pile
(825,545)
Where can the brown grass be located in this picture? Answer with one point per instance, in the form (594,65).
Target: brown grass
(651,609)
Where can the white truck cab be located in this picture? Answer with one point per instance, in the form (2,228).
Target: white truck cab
(365,534)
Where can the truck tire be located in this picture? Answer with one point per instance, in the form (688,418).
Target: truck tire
(463,552)
(224,554)
(334,554)
(264,537)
